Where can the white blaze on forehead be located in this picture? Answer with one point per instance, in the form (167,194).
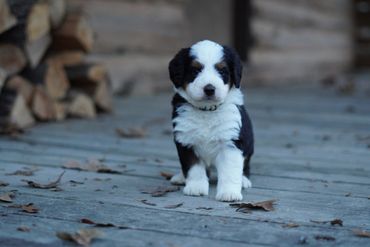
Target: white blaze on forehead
(207,52)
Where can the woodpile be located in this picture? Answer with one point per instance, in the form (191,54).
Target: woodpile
(43,72)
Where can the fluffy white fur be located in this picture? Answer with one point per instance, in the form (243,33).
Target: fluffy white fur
(197,181)
(211,134)
(208,54)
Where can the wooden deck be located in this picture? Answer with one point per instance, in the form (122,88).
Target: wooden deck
(312,155)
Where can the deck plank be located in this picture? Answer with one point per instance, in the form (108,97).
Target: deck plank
(312,154)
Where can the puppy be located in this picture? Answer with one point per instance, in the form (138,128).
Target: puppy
(210,124)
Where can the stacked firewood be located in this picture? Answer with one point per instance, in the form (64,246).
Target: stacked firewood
(43,75)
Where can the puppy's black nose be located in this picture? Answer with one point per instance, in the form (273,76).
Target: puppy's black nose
(209,90)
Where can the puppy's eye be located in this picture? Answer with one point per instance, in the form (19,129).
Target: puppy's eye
(196,66)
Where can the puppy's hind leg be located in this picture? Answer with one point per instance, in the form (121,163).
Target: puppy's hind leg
(178,179)
(246,182)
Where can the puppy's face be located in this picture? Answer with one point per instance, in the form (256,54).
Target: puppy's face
(205,72)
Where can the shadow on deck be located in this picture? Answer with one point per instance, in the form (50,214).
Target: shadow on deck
(312,155)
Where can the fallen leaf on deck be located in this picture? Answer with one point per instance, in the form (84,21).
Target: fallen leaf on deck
(2,183)
(23,229)
(290,225)
(161,191)
(90,222)
(324,237)
(26,173)
(91,165)
(82,237)
(174,206)
(204,208)
(50,185)
(336,222)
(105,225)
(29,208)
(131,132)
(249,206)
(167,175)
(87,221)
(7,197)
(332,222)
(148,203)
(361,233)
(348,194)
(75,182)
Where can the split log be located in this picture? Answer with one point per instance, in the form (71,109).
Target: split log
(36,49)
(67,58)
(60,109)
(12,59)
(57,12)
(42,105)
(14,110)
(93,80)
(51,76)
(22,86)
(74,34)
(31,33)
(7,19)
(80,105)
(32,19)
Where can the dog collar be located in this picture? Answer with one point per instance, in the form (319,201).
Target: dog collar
(209,108)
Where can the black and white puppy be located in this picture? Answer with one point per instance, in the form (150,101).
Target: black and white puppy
(210,124)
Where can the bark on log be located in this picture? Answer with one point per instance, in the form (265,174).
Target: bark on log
(51,76)
(74,34)
(80,105)
(93,80)
(7,19)
(22,86)
(14,110)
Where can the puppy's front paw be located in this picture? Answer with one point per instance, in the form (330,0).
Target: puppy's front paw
(246,183)
(196,188)
(178,179)
(230,194)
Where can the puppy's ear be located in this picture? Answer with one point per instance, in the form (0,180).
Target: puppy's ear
(177,65)
(235,65)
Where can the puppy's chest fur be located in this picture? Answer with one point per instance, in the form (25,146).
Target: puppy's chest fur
(207,131)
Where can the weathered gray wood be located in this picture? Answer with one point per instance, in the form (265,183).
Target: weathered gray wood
(323,175)
(43,234)
(167,221)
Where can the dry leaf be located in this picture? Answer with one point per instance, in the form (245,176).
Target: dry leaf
(361,233)
(174,206)
(29,208)
(167,175)
(204,208)
(249,206)
(26,173)
(2,183)
(44,186)
(336,222)
(23,229)
(161,191)
(7,197)
(74,182)
(82,237)
(324,237)
(90,222)
(87,221)
(105,225)
(290,225)
(91,165)
(148,203)
(131,132)
(332,222)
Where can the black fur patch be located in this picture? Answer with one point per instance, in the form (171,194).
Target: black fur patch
(246,141)
(234,64)
(181,70)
